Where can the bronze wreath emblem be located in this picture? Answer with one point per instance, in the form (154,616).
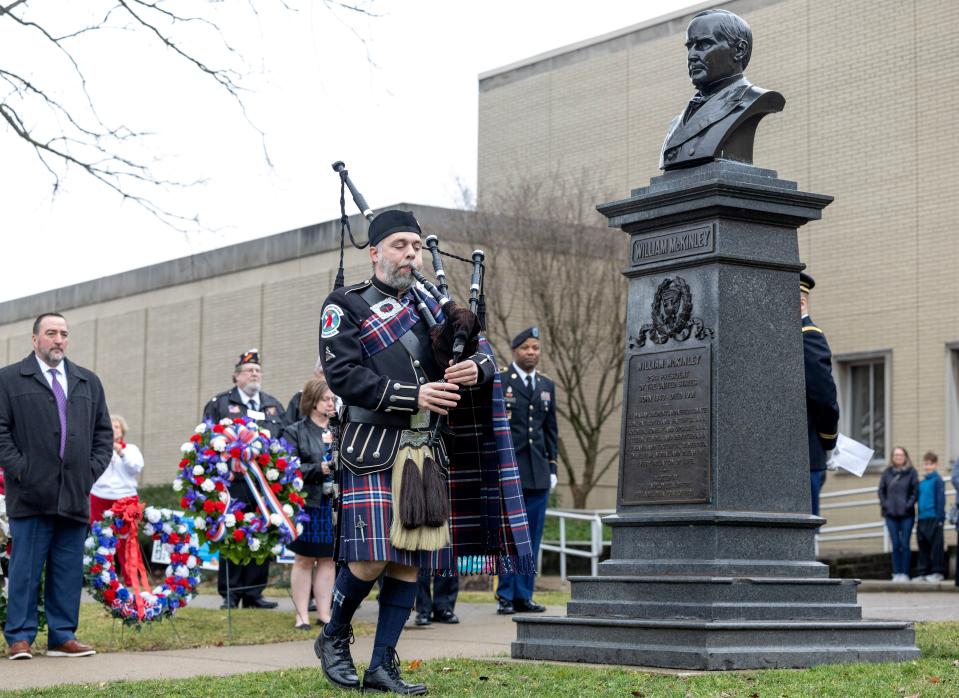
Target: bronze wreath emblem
(672,315)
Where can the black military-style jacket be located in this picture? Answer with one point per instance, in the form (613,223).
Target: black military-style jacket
(532,422)
(822,410)
(376,368)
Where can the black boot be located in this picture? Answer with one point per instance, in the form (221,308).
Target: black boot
(386,678)
(335,658)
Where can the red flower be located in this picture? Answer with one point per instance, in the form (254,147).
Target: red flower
(238,420)
(276,487)
(219,506)
(96,569)
(281,464)
(174,538)
(237,536)
(184,463)
(209,452)
(263,459)
(209,506)
(196,438)
(184,503)
(235,452)
(114,585)
(109,595)
(200,480)
(217,428)
(219,486)
(238,514)
(157,536)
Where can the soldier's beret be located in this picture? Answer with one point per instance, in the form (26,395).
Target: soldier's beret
(392,221)
(524,335)
(806,282)
(249,357)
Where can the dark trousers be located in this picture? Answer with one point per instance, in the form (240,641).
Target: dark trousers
(520,586)
(817,478)
(931,556)
(900,530)
(445,591)
(246,581)
(58,543)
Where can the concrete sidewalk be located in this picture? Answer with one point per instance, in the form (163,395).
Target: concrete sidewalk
(481,633)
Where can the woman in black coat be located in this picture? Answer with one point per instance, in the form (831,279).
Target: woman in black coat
(313,568)
(898,492)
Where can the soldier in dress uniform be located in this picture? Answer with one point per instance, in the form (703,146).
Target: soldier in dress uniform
(246,582)
(822,410)
(531,405)
(375,349)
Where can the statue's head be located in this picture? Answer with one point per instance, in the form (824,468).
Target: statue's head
(718,45)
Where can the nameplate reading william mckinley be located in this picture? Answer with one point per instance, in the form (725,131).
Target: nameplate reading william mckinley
(666,429)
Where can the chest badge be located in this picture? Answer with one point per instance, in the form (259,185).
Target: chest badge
(386,309)
(544,396)
(234,409)
(330,322)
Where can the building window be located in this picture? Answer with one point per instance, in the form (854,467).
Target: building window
(864,405)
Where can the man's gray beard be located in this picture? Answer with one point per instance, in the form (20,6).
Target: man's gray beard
(251,389)
(393,276)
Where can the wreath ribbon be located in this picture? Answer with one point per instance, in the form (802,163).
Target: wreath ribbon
(129,510)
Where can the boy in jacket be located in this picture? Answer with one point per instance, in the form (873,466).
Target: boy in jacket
(932,516)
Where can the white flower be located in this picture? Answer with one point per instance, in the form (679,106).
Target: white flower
(148,529)
(102,551)
(167,528)
(178,485)
(272,474)
(200,428)
(182,571)
(277,549)
(218,443)
(89,543)
(199,523)
(188,447)
(288,510)
(168,572)
(222,468)
(107,531)
(224,496)
(276,519)
(299,529)
(152,514)
(106,565)
(297,483)
(226,421)
(254,544)
(87,560)
(108,514)
(274,447)
(265,433)
(105,576)
(208,486)
(197,469)
(191,561)
(181,529)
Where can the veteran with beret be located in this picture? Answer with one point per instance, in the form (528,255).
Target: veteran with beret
(246,399)
(531,405)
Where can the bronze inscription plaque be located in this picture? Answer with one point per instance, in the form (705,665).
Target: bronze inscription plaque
(666,430)
(679,242)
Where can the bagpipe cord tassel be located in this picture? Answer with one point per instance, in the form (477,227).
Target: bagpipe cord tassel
(407,531)
(436,492)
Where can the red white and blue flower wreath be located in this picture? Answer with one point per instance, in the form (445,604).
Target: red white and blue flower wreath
(237,449)
(139,605)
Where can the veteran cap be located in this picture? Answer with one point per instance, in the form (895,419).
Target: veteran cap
(806,282)
(251,356)
(524,335)
(392,221)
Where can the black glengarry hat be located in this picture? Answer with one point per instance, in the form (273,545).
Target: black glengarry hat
(524,335)
(806,282)
(392,221)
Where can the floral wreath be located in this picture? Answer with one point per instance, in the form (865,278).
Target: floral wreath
(119,526)
(4,554)
(237,450)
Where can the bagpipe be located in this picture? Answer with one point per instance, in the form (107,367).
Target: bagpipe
(458,334)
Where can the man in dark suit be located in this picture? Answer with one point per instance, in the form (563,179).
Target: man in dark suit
(720,120)
(531,406)
(55,441)
(246,582)
(822,410)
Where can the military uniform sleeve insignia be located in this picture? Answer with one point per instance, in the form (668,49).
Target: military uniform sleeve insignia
(330,322)
(329,354)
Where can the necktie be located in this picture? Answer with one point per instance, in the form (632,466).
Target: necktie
(695,103)
(61,408)
(251,405)
(529,384)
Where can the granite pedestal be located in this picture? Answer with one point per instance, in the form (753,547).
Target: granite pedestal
(713,562)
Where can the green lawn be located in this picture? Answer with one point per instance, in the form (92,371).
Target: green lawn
(190,627)
(936,674)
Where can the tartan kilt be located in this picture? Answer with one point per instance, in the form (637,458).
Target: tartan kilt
(369,499)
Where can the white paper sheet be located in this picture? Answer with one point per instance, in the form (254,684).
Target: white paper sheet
(851,455)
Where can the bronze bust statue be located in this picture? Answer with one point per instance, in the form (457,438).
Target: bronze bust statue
(720,120)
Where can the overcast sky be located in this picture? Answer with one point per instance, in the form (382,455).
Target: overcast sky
(399,107)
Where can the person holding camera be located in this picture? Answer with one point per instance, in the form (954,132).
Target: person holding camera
(310,440)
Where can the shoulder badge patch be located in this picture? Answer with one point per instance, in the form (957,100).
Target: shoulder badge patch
(329,354)
(330,322)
